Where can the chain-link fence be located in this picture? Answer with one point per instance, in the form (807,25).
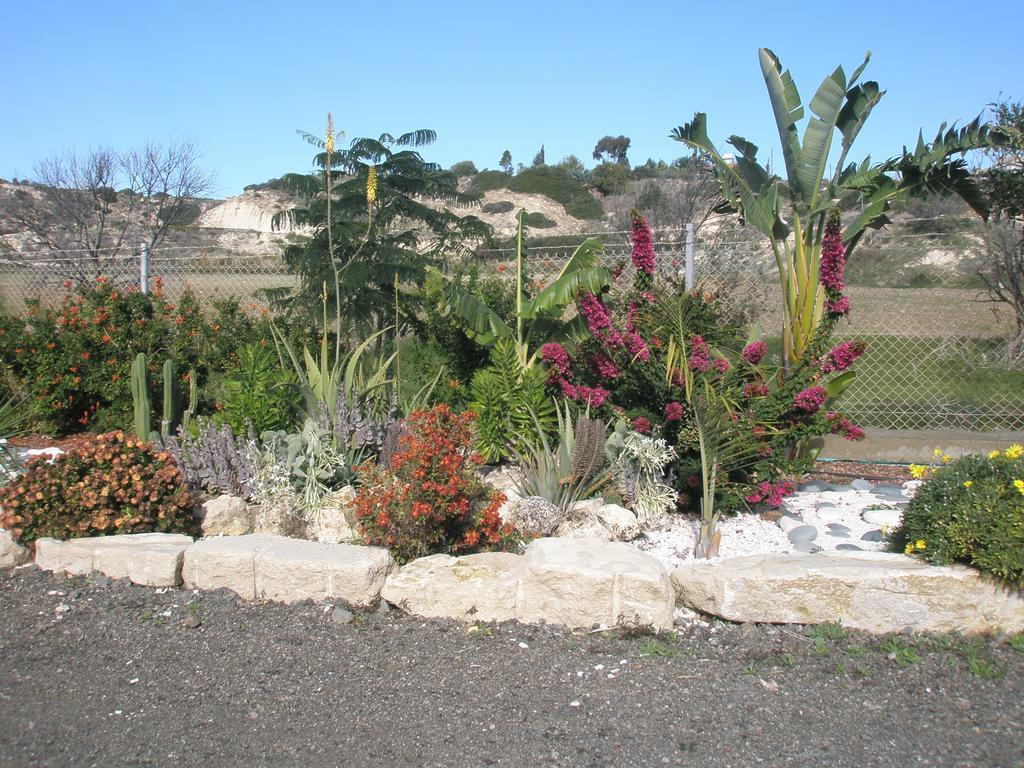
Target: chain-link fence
(936,347)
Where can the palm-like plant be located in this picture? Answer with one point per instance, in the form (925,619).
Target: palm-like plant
(723,449)
(792,212)
(374,229)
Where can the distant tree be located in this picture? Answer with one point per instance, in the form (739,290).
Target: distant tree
(538,159)
(574,167)
(72,203)
(1004,181)
(1003,268)
(613,149)
(506,162)
(610,178)
(464,168)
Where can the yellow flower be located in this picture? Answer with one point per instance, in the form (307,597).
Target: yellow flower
(968,483)
(919,544)
(993,454)
(371,185)
(946,458)
(1019,485)
(918,471)
(1014,451)
(937,452)
(908,549)
(329,138)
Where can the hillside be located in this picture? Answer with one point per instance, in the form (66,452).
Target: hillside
(927,241)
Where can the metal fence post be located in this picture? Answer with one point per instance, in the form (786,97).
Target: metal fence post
(144,268)
(689,255)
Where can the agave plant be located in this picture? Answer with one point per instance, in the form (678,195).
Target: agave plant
(792,212)
(539,317)
(571,471)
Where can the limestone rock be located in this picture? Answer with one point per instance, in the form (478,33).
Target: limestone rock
(226,515)
(507,511)
(573,582)
(580,582)
(873,591)
(12,554)
(502,478)
(596,520)
(335,521)
(288,570)
(481,587)
(534,514)
(149,559)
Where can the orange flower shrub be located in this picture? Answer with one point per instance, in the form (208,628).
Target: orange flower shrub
(112,483)
(431,500)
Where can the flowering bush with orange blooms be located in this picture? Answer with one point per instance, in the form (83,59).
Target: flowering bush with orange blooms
(74,358)
(431,499)
(112,483)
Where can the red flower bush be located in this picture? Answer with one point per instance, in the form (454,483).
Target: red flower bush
(431,499)
(110,483)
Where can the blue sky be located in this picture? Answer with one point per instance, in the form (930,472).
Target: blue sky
(238,78)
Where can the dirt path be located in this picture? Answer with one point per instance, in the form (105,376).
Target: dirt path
(111,674)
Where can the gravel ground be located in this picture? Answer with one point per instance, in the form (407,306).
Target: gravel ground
(100,673)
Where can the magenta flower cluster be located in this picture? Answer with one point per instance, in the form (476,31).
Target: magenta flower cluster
(720,364)
(830,267)
(604,367)
(643,247)
(673,412)
(598,322)
(810,399)
(557,359)
(833,256)
(642,425)
(592,396)
(754,352)
(842,426)
(842,356)
(700,359)
(755,389)
(767,493)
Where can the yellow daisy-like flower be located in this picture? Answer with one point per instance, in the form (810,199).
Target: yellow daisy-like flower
(918,471)
(919,544)
(993,454)
(946,458)
(1014,451)
(937,452)
(1019,485)
(909,549)
(968,483)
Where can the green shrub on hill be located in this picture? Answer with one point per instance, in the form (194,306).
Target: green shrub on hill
(560,186)
(539,221)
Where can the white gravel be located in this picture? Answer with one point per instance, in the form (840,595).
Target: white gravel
(750,534)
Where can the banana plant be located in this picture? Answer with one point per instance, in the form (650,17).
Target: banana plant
(538,317)
(791,212)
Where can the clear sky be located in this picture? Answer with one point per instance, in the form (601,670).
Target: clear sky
(238,78)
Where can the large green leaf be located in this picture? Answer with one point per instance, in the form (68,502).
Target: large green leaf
(860,100)
(785,100)
(563,291)
(481,323)
(760,208)
(826,104)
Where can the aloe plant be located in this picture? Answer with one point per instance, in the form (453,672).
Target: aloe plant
(791,212)
(570,471)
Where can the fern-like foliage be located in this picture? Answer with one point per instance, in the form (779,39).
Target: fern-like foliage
(511,404)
